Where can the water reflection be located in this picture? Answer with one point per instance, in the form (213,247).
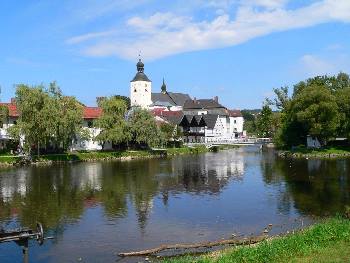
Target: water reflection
(313,187)
(143,203)
(54,195)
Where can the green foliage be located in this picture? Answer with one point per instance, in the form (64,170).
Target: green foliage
(4,114)
(46,117)
(125,99)
(112,122)
(249,117)
(343,101)
(319,107)
(315,108)
(143,128)
(264,122)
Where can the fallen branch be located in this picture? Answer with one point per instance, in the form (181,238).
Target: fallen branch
(245,241)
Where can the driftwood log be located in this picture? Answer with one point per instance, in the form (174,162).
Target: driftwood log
(237,242)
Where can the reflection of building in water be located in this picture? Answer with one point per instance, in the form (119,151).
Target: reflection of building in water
(229,166)
(87,176)
(12,184)
(207,172)
(313,165)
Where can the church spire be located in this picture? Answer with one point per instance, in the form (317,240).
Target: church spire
(163,88)
(140,66)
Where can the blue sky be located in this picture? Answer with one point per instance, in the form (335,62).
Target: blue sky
(237,49)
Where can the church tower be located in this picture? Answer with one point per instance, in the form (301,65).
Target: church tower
(140,88)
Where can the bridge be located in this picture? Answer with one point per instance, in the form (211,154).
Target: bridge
(238,142)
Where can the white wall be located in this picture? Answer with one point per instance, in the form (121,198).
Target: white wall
(236,124)
(141,93)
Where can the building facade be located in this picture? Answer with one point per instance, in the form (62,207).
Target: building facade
(140,88)
(206,121)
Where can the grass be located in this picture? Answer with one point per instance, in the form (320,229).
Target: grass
(327,241)
(332,151)
(104,155)
(187,150)
(325,150)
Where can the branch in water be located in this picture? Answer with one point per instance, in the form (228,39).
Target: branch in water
(245,241)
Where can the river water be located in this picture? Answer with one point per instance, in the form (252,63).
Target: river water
(95,210)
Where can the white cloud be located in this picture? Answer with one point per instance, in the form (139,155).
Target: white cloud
(89,36)
(164,34)
(328,62)
(313,65)
(271,4)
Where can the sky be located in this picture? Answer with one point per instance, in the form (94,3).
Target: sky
(238,50)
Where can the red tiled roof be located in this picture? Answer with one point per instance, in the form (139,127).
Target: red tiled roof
(92,112)
(12,109)
(235,113)
(88,113)
(162,112)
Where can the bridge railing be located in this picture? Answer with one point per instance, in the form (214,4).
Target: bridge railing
(233,141)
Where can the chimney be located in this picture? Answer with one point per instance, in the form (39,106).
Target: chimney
(13,100)
(216,99)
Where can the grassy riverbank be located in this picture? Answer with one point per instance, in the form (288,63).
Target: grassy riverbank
(105,155)
(326,152)
(327,241)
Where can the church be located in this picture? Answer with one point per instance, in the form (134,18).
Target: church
(201,120)
(141,94)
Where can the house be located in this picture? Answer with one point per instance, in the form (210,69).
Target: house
(89,115)
(206,120)
(313,142)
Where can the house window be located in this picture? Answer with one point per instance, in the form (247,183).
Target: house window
(90,124)
(145,90)
(134,90)
(146,85)
(234,121)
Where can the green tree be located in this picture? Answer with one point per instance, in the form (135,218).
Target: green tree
(343,101)
(46,118)
(70,122)
(112,122)
(4,115)
(316,109)
(143,128)
(264,122)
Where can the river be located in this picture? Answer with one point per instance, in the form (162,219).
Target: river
(96,210)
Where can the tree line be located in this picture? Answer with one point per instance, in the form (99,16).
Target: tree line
(318,107)
(49,121)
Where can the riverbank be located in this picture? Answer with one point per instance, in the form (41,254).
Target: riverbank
(88,156)
(327,241)
(327,152)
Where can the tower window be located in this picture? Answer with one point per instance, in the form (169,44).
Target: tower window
(134,90)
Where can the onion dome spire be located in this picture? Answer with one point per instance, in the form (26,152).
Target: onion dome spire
(140,66)
(163,88)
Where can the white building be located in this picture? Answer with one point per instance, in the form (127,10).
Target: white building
(140,88)
(141,93)
(206,120)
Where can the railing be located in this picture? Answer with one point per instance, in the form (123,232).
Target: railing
(240,141)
